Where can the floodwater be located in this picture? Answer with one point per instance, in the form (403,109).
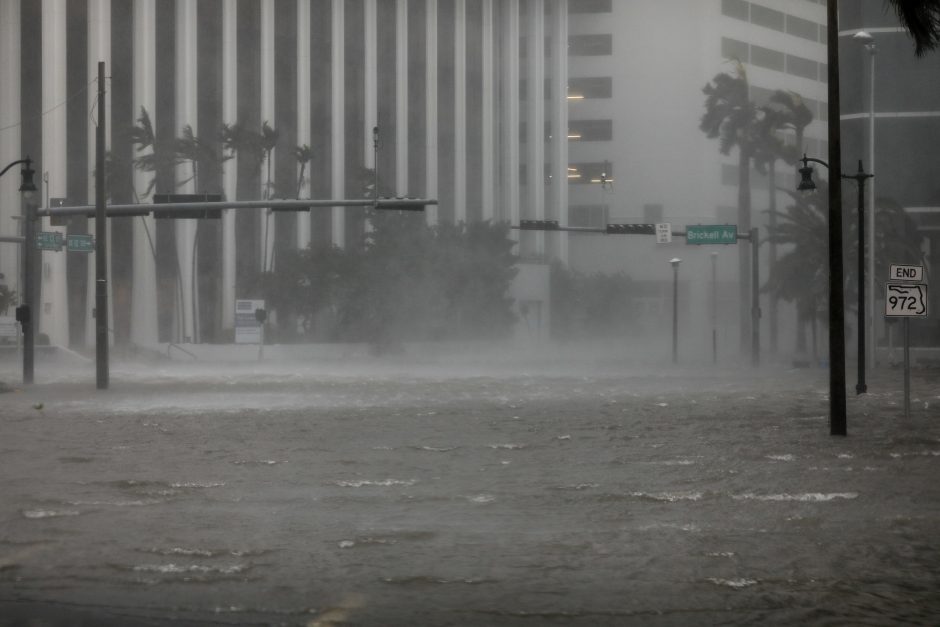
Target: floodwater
(431,496)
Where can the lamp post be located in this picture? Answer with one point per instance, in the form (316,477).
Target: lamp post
(24,311)
(714,256)
(868,41)
(807,185)
(675,261)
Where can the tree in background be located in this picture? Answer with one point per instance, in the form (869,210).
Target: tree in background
(784,111)
(733,119)
(406,281)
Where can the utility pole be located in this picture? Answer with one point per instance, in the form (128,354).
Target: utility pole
(101,245)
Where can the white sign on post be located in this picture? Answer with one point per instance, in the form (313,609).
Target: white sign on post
(906,300)
(906,273)
(247,327)
(663,233)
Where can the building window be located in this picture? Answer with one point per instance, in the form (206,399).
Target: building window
(734,49)
(590,172)
(768,18)
(765,57)
(593,87)
(590,45)
(802,28)
(590,216)
(589,6)
(590,130)
(798,66)
(735,8)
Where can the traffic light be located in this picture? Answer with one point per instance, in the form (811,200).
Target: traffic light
(538,225)
(631,229)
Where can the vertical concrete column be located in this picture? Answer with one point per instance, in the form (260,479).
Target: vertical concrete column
(460,111)
(535,138)
(510,112)
(338,127)
(559,117)
(488,125)
(230,171)
(99,49)
(267,115)
(370,79)
(401,98)
(187,115)
(10,141)
(303,115)
(144,287)
(430,112)
(53,302)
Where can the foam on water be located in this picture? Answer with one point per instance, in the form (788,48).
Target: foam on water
(359,483)
(810,497)
(49,513)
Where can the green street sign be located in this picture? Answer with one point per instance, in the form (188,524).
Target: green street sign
(49,240)
(711,234)
(80,243)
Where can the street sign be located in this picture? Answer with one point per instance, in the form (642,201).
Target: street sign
(663,233)
(906,273)
(711,234)
(80,243)
(247,325)
(906,300)
(49,240)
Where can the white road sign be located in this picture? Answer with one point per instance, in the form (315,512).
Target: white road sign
(663,233)
(906,273)
(247,327)
(907,300)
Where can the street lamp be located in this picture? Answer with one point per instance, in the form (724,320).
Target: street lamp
(807,185)
(24,311)
(868,41)
(675,261)
(714,256)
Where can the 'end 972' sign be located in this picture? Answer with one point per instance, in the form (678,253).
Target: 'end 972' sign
(908,300)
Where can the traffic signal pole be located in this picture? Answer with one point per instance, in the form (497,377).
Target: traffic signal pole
(196,209)
(650,229)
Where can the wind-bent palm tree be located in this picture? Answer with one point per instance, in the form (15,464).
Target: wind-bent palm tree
(732,118)
(784,111)
(799,276)
(162,155)
(921,18)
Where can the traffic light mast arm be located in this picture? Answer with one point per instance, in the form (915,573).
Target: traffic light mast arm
(127,210)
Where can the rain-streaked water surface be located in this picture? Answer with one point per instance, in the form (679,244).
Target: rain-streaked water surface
(438,498)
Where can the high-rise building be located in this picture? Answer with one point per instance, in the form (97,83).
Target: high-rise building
(440,80)
(636,74)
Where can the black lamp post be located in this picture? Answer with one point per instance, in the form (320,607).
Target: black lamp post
(24,311)
(807,185)
(675,261)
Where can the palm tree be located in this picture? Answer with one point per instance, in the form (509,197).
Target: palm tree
(303,154)
(798,276)
(161,156)
(197,151)
(732,118)
(784,110)
(921,18)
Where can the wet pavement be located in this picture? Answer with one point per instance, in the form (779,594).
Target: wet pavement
(483,492)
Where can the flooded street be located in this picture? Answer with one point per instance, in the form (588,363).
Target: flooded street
(448,496)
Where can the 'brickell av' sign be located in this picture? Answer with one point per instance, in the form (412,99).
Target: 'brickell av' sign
(712,234)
